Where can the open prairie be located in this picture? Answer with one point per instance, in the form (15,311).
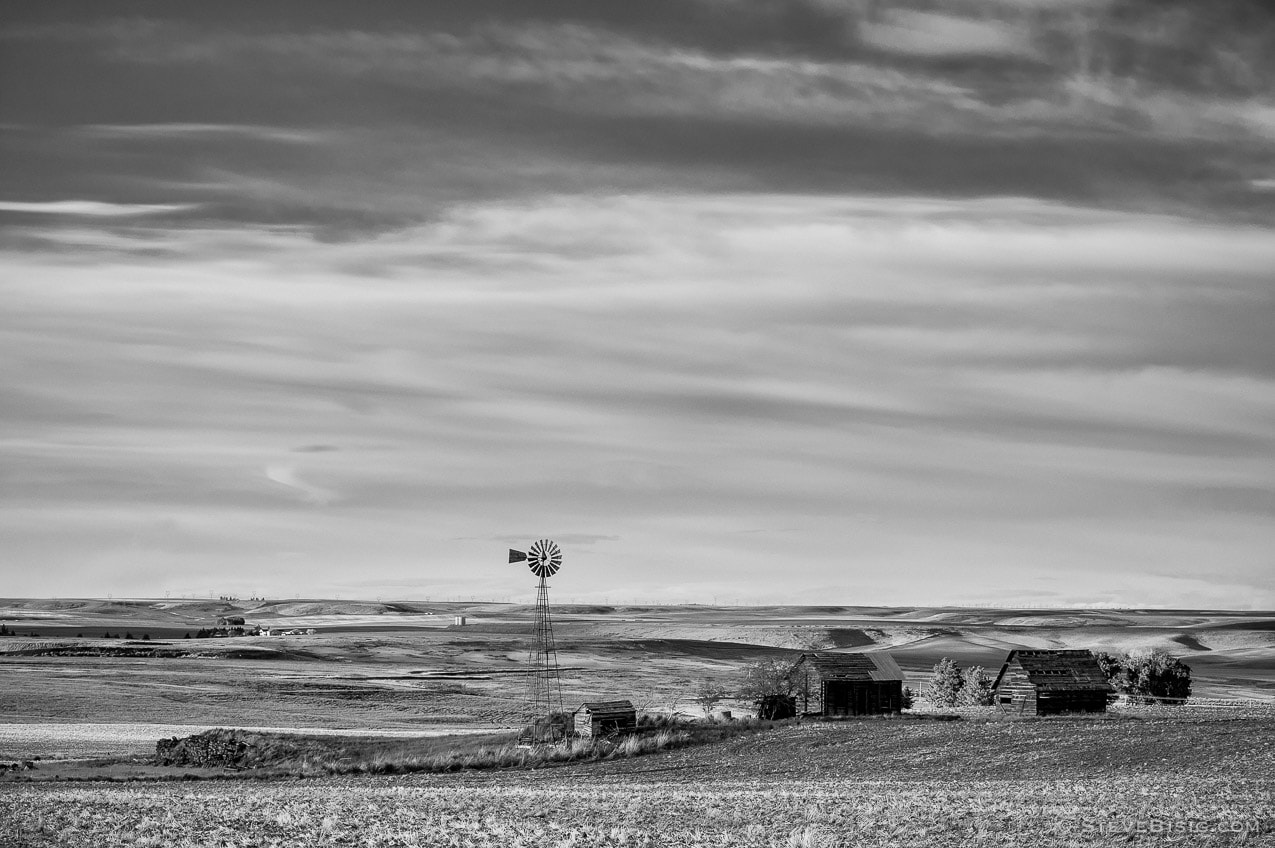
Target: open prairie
(1192,776)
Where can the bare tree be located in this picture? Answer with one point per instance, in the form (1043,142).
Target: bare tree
(709,694)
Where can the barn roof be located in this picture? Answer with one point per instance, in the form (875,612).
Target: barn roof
(1058,670)
(606,707)
(833,665)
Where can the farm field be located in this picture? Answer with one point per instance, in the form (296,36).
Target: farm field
(404,666)
(1188,776)
(1145,780)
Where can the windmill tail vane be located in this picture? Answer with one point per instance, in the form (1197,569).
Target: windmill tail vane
(517,556)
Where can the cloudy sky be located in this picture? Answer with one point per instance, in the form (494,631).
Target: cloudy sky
(805,301)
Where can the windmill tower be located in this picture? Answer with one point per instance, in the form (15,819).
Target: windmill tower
(544,687)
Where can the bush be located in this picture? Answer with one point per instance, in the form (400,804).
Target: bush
(709,694)
(909,698)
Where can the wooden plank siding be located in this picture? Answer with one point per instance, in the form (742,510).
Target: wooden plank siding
(602,718)
(836,684)
(1051,682)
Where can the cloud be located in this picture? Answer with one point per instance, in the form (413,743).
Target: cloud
(92,208)
(995,278)
(370,129)
(191,130)
(287,476)
(932,35)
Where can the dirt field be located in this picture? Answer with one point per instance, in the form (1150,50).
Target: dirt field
(1150,779)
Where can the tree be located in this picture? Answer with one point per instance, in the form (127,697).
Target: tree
(769,685)
(709,694)
(944,684)
(1114,668)
(976,688)
(1147,677)
(766,677)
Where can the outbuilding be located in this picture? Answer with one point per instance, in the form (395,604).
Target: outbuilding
(830,683)
(602,718)
(1051,682)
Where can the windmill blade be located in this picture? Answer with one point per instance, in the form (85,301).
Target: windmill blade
(517,556)
(544,558)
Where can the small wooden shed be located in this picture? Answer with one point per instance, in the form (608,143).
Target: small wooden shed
(1050,682)
(841,684)
(602,718)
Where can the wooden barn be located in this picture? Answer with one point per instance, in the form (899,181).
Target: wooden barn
(602,718)
(837,684)
(1049,682)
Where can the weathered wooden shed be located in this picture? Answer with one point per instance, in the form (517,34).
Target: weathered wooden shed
(602,718)
(1049,682)
(840,684)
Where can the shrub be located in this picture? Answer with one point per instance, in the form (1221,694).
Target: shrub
(909,698)
(709,694)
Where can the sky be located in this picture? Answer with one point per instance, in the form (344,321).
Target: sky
(739,301)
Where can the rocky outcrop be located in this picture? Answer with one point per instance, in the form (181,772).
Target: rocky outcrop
(214,748)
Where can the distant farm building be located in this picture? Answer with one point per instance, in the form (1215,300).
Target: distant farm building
(602,718)
(1048,682)
(836,684)
(458,621)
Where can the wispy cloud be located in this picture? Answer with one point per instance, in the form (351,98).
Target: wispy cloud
(932,34)
(91,208)
(180,131)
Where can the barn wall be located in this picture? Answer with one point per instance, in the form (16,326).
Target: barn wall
(861,697)
(809,689)
(587,724)
(1021,691)
(1072,701)
(866,698)
(1025,697)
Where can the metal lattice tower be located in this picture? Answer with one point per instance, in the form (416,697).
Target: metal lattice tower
(544,686)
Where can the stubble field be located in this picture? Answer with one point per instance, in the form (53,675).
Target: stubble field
(1146,779)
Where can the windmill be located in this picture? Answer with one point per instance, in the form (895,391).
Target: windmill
(544,688)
